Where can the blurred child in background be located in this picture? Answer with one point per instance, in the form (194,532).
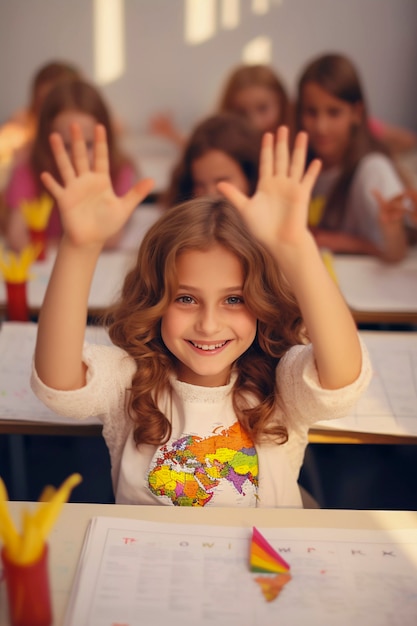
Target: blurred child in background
(68,102)
(257,93)
(222,147)
(254,92)
(351,210)
(20,129)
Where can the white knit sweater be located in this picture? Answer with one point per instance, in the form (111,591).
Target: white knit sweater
(195,412)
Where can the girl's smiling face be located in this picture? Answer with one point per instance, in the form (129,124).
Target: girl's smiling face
(207,326)
(329,122)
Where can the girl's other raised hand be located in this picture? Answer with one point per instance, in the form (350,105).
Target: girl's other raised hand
(89,209)
(278,211)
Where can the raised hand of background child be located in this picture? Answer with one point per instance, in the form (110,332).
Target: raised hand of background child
(89,209)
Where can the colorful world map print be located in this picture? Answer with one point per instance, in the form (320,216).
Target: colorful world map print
(189,470)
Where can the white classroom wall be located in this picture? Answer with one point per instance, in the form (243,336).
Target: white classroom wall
(164,74)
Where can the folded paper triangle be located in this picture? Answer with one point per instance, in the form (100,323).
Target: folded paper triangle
(263,557)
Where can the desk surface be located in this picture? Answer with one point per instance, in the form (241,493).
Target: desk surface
(111,268)
(377,292)
(67,537)
(386,413)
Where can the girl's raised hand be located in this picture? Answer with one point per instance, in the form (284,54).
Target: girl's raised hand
(278,211)
(89,209)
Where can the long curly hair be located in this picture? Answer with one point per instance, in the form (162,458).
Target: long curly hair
(225,132)
(134,322)
(337,75)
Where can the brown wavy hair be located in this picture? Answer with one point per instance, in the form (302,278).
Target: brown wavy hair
(72,95)
(134,322)
(225,132)
(337,75)
(46,78)
(244,76)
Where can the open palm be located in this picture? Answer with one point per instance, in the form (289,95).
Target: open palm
(278,211)
(89,209)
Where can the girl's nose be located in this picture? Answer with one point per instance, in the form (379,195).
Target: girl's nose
(321,123)
(208,321)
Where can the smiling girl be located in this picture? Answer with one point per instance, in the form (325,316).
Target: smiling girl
(223,355)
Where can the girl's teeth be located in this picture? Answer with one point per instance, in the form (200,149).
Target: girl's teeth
(206,347)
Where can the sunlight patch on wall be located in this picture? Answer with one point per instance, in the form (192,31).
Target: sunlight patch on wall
(230,14)
(200,20)
(258,50)
(260,7)
(109,40)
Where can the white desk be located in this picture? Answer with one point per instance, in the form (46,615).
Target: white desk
(378,292)
(386,413)
(67,537)
(154,156)
(111,268)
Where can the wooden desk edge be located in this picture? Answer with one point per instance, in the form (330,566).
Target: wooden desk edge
(322,435)
(22,427)
(315,435)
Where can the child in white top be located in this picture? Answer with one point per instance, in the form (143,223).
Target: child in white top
(230,336)
(351,210)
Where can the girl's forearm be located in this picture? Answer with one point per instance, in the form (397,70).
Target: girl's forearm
(63,317)
(329,322)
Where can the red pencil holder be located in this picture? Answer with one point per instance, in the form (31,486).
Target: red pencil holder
(39,237)
(17,307)
(28,591)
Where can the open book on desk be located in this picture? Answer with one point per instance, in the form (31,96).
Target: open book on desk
(135,572)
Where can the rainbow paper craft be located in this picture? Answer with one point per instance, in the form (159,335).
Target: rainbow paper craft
(263,558)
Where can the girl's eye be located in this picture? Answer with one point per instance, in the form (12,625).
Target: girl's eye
(185,300)
(234,300)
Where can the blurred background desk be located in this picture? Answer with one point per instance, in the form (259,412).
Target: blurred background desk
(377,292)
(109,275)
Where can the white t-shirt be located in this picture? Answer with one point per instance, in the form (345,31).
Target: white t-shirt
(209,459)
(375,171)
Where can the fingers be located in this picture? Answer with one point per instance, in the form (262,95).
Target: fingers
(235,196)
(51,185)
(277,161)
(62,159)
(266,159)
(298,160)
(310,177)
(138,193)
(79,150)
(101,151)
(282,155)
